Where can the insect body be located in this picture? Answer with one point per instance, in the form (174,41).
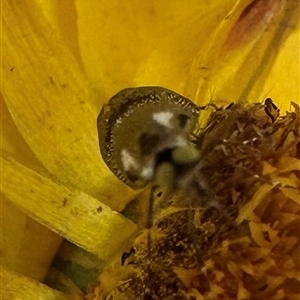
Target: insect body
(139,125)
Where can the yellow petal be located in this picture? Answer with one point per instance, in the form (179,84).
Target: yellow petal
(20,236)
(237,68)
(14,286)
(80,218)
(287,163)
(282,82)
(51,103)
(19,233)
(246,212)
(126,44)
(292,194)
(62,16)
(114,37)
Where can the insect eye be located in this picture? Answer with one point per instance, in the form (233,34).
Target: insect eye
(183,119)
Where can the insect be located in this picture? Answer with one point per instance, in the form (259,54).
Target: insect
(140,127)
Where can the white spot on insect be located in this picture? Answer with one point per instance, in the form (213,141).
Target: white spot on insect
(163,118)
(148,171)
(180,141)
(128,161)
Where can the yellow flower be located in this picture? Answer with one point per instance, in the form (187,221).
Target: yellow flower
(62,60)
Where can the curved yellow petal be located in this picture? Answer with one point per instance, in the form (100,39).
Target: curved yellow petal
(283,81)
(114,38)
(51,103)
(62,16)
(20,236)
(72,214)
(237,68)
(208,51)
(14,286)
(11,139)
(128,44)
(19,233)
